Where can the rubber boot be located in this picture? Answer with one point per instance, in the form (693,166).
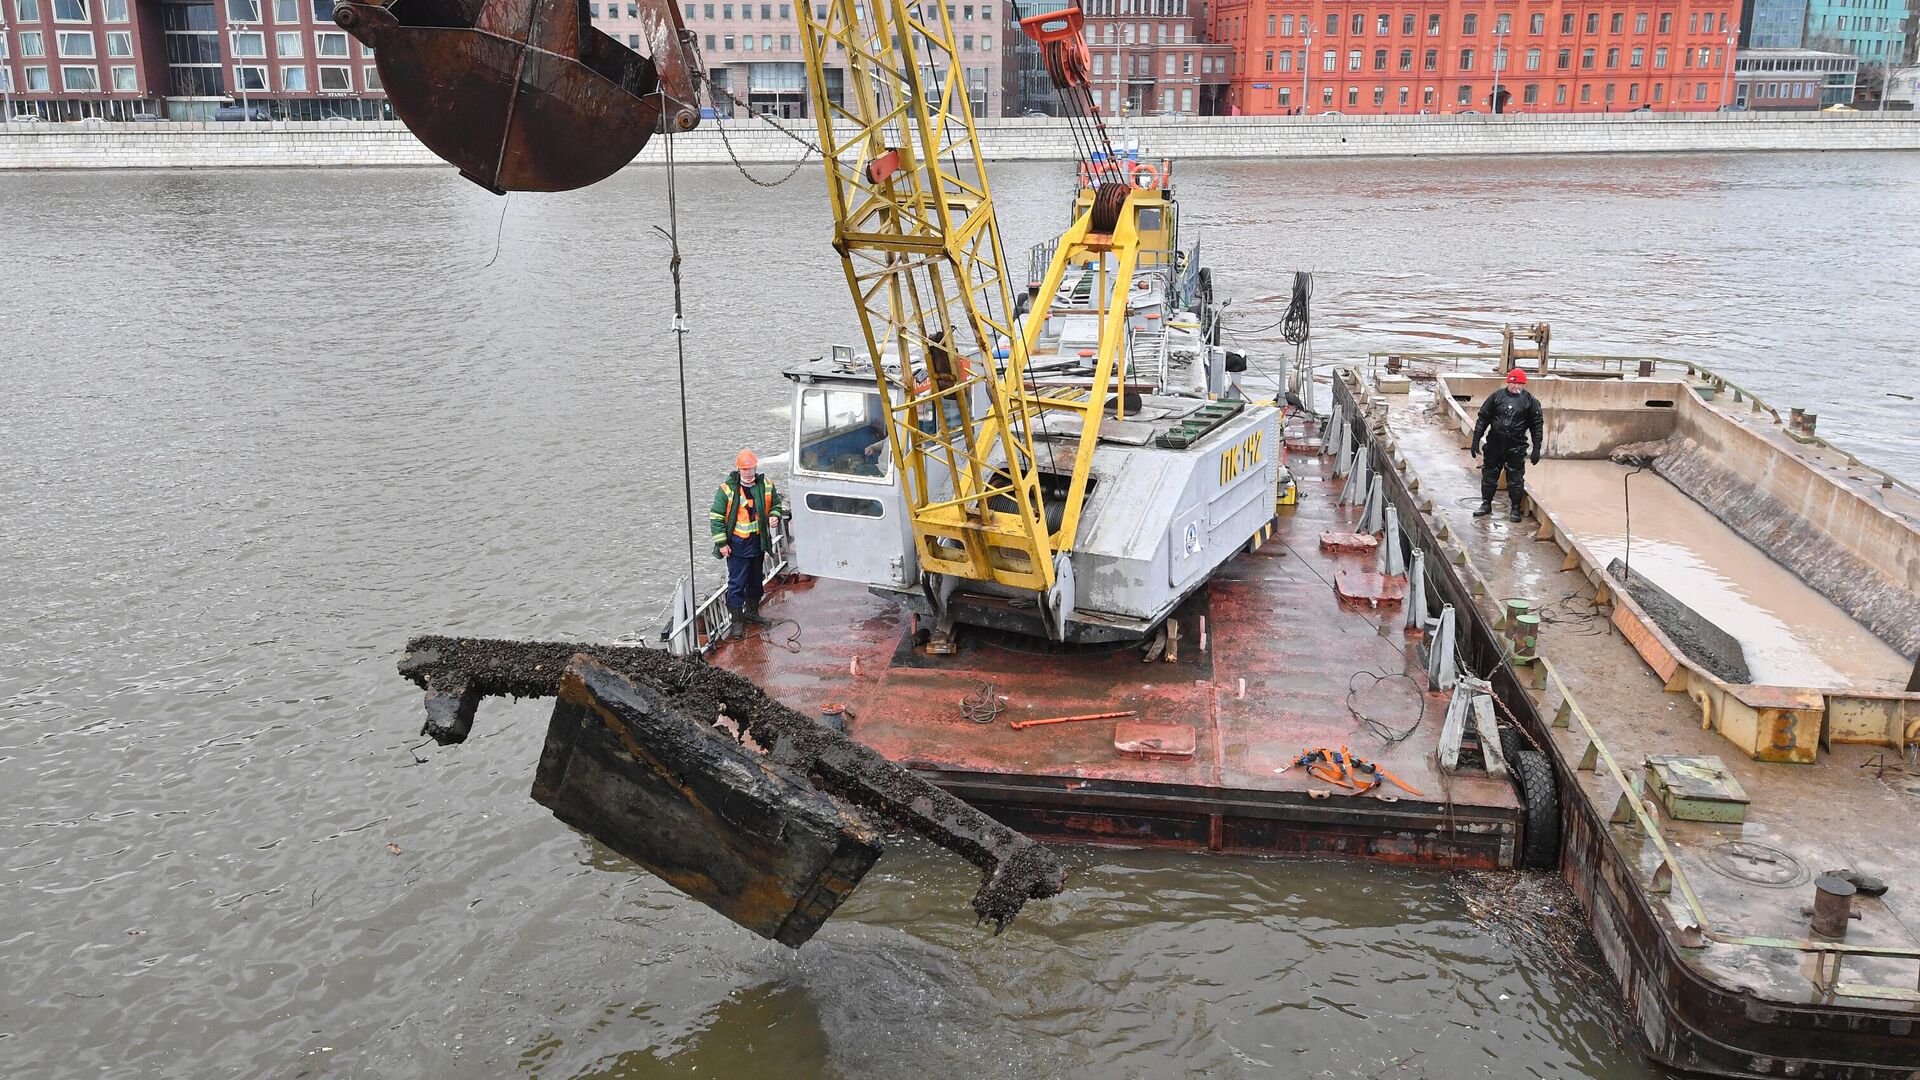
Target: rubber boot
(736,624)
(1485,508)
(752,612)
(1514,514)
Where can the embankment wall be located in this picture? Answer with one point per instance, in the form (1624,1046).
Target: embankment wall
(282,144)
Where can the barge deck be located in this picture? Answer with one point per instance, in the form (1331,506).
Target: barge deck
(1266,654)
(1704,925)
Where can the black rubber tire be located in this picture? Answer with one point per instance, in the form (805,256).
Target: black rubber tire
(1534,773)
(1511,744)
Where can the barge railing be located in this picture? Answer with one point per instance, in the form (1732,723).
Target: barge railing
(1614,365)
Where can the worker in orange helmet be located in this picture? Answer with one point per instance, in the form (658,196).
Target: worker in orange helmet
(743,509)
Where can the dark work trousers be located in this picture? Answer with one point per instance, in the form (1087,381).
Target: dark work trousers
(1495,455)
(744,572)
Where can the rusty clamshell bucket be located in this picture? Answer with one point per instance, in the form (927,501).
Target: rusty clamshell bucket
(525,95)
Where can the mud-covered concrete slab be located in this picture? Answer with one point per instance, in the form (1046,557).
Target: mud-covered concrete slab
(457,673)
(1704,643)
(724,824)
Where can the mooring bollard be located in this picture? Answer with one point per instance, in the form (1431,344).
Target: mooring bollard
(1417,592)
(1832,906)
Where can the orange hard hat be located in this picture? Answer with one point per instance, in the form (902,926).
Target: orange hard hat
(746,460)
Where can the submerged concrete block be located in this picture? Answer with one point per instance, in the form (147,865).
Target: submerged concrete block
(680,797)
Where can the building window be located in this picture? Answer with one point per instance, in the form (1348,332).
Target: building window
(1406,59)
(1466,59)
(1586,92)
(336,80)
(119,43)
(1353,97)
(1638,58)
(1560,94)
(1699,91)
(1379,96)
(1660,57)
(1607,93)
(1379,59)
(293,80)
(1186,62)
(1533,59)
(1613,58)
(329,44)
(1537,23)
(1433,26)
(1286,61)
(37,80)
(32,43)
(1470,23)
(1329,60)
(1640,23)
(1286,25)
(286,11)
(370,76)
(250,78)
(1405,93)
(1593,22)
(1659,90)
(28,11)
(1285,99)
(710,43)
(1499,59)
(1566,23)
(287,45)
(117,11)
(78,45)
(1406,27)
(251,45)
(1100,64)
(1617,23)
(1359,23)
(1466,94)
(74,11)
(1353,60)
(1503,24)
(1531,95)
(1633,91)
(1333,26)
(126,81)
(726,43)
(1586,59)
(323,12)
(80,79)
(1426,96)
(243,11)
(1431,61)
(1326,97)
(1170,69)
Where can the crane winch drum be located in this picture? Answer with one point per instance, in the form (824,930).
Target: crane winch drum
(525,95)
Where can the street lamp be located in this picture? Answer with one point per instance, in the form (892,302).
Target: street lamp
(6,68)
(1306,65)
(1726,79)
(1493,103)
(239,73)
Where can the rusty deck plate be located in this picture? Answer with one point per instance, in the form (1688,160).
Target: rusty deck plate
(1271,619)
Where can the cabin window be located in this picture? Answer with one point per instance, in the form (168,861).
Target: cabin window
(845,504)
(843,433)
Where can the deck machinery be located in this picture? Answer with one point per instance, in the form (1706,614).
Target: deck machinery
(1068,465)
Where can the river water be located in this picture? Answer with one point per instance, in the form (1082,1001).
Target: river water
(257,428)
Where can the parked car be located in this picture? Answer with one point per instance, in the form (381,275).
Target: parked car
(26,118)
(241,112)
(147,118)
(91,121)
(1036,114)
(1738,106)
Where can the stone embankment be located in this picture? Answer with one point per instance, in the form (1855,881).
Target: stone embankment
(282,144)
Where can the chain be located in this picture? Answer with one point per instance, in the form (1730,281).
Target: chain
(700,68)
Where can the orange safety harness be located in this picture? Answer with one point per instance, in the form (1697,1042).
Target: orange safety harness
(1347,770)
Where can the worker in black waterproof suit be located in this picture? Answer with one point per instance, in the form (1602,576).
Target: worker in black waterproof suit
(1507,418)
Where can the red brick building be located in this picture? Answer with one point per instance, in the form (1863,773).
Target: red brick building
(1156,57)
(68,59)
(1371,57)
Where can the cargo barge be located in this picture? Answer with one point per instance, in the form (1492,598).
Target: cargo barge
(1697,819)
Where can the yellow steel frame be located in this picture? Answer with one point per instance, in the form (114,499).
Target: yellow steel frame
(922,256)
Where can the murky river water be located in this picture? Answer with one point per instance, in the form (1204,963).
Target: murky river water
(258,428)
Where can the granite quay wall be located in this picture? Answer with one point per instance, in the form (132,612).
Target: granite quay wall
(283,144)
